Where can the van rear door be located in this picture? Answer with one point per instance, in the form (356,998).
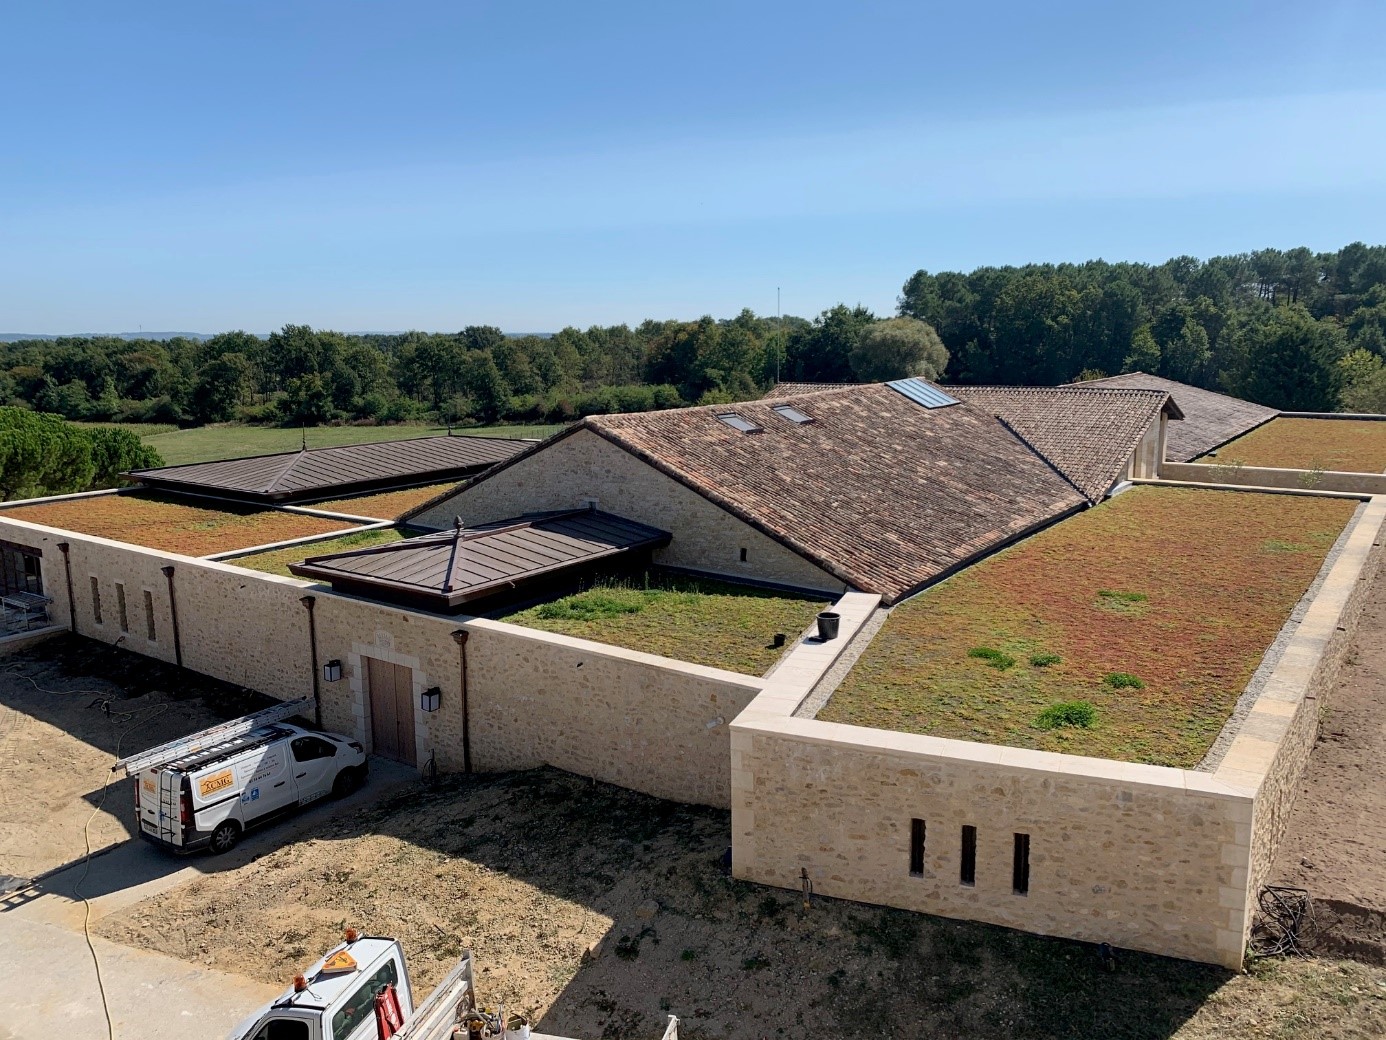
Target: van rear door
(159,804)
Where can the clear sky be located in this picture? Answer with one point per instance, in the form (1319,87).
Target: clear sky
(384,166)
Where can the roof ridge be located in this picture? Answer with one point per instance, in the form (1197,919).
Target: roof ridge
(288,468)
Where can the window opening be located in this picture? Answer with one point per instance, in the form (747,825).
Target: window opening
(967,874)
(149,614)
(96,600)
(743,554)
(120,608)
(916,848)
(1020,869)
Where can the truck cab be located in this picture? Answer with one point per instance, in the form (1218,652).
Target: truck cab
(336,998)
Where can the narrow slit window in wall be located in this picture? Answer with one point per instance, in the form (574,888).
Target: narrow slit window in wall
(120,608)
(96,600)
(1020,869)
(967,873)
(149,614)
(916,848)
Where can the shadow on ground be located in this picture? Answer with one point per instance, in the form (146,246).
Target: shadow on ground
(532,869)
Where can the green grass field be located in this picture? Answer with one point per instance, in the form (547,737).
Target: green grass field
(232,440)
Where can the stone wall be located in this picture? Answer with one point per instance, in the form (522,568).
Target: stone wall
(1141,857)
(583,466)
(641,721)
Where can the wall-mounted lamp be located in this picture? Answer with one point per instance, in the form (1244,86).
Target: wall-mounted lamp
(430,698)
(332,671)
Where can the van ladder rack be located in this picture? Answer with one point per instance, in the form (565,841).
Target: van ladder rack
(220,733)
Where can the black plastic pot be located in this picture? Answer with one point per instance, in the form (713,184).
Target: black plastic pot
(828,622)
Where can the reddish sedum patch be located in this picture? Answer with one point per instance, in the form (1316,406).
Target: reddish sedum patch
(387,505)
(174,525)
(1220,571)
(1346,445)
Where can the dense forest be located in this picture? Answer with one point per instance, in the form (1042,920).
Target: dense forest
(1292,329)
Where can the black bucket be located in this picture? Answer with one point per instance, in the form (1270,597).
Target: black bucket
(828,622)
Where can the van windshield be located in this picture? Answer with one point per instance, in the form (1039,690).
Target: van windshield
(360,1006)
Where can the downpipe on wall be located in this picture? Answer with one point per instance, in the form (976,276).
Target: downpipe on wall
(309,602)
(173,610)
(460,636)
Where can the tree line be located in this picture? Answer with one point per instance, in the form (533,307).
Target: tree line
(43,454)
(1295,330)
(1292,329)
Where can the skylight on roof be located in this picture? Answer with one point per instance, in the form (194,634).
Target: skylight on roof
(922,392)
(791,413)
(736,422)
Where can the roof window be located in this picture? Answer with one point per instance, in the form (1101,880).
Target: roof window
(922,392)
(736,422)
(791,413)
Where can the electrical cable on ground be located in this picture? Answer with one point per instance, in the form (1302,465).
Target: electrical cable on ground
(126,716)
(1287,922)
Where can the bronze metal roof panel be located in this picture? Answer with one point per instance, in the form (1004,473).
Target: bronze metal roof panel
(301,476)
(449,569)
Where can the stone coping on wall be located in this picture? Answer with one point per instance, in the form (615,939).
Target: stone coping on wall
(1266,478)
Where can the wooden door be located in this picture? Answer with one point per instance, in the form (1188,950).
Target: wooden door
(391,689)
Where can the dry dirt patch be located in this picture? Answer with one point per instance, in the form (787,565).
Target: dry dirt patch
(530,869)
(58,740)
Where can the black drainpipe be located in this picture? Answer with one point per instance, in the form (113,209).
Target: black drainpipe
(309,602)
(173,610)
(65,548)
(461,637)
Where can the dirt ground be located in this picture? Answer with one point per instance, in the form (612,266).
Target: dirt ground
(531,870)
(1335,846)
(58,740)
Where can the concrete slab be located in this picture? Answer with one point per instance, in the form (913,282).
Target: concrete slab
(150,996)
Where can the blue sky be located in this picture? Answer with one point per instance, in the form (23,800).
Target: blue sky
(434,165)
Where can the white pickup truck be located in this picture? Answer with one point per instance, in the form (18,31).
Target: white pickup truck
(360,990)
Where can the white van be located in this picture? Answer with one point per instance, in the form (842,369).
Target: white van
(210,796)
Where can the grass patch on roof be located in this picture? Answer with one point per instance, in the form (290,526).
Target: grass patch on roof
(1214,601)
(175,523)
(278,560)
(1345,445)
(383,505)
(700,620)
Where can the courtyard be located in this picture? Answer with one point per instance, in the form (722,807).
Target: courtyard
(700,620)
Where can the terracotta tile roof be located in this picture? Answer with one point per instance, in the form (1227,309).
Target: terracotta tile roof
(449,569)
(297,476)
(1088,433)
(879,491)
(1210,419)
(781,390)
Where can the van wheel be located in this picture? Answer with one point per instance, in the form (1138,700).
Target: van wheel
(225,837)
(348,780)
